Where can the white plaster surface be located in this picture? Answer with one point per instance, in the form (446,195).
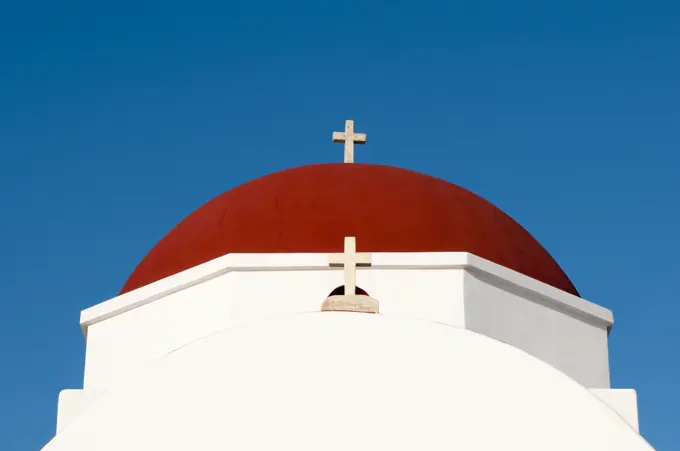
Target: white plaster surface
(571,343)
(347,381)
(240,289)
(623,401)
(71,404)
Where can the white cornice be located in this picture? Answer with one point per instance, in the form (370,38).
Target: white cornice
(312,262)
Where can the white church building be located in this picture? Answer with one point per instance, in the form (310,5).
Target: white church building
(347,307)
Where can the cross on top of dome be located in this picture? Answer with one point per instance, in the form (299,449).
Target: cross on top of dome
(349,138)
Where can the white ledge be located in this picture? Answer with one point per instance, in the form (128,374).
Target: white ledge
(315,262)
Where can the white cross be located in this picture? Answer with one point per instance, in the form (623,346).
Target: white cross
(349,138)
(350,259)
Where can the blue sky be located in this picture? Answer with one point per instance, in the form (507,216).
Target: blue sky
(117,120)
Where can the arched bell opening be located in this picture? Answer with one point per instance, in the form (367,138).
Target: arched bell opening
(340,291)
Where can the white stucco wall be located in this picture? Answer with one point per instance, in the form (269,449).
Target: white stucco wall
(341,381)
(268,287)
(239,289)
(72,403)
(571,343)
(623,401)
(118,345)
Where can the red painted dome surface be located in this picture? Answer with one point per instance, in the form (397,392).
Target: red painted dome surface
(312,208)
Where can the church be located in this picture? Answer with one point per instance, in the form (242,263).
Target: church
(347,306)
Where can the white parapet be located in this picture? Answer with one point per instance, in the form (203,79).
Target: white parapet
(458,289)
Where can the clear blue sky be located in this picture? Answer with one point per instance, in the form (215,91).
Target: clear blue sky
(117,121)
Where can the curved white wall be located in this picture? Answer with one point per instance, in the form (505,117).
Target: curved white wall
(347,381)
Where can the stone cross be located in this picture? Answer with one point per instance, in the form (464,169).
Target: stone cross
(350,259)
(349,138)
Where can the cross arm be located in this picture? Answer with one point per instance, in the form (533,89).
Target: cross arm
(362,259)
(360,138)
(336,260)
(359,259)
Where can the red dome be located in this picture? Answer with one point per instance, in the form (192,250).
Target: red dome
(312,208)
